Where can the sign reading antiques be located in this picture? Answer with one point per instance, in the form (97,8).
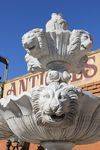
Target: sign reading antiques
(90,74)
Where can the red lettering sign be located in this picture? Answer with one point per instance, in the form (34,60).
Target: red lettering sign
(29,82)
(85,73)
(12,89)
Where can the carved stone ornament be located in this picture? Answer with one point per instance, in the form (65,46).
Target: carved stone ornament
(57,47)
(56,115)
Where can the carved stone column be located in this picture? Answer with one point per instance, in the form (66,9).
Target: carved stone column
(57,146)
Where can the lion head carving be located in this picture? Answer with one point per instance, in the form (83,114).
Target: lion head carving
(55,104)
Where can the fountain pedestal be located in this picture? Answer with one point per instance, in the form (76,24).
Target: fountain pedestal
(57,145)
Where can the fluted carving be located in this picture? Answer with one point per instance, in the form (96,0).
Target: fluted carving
(56,47)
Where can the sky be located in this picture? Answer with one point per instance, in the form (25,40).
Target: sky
(19,16)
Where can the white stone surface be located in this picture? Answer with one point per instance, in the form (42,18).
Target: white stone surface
(55,112)
(57,146)
(46,49)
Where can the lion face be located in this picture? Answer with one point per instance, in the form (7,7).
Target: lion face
(29,41)
(86,41)
(55,105)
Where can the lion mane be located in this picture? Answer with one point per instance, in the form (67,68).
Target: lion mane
(68,106)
